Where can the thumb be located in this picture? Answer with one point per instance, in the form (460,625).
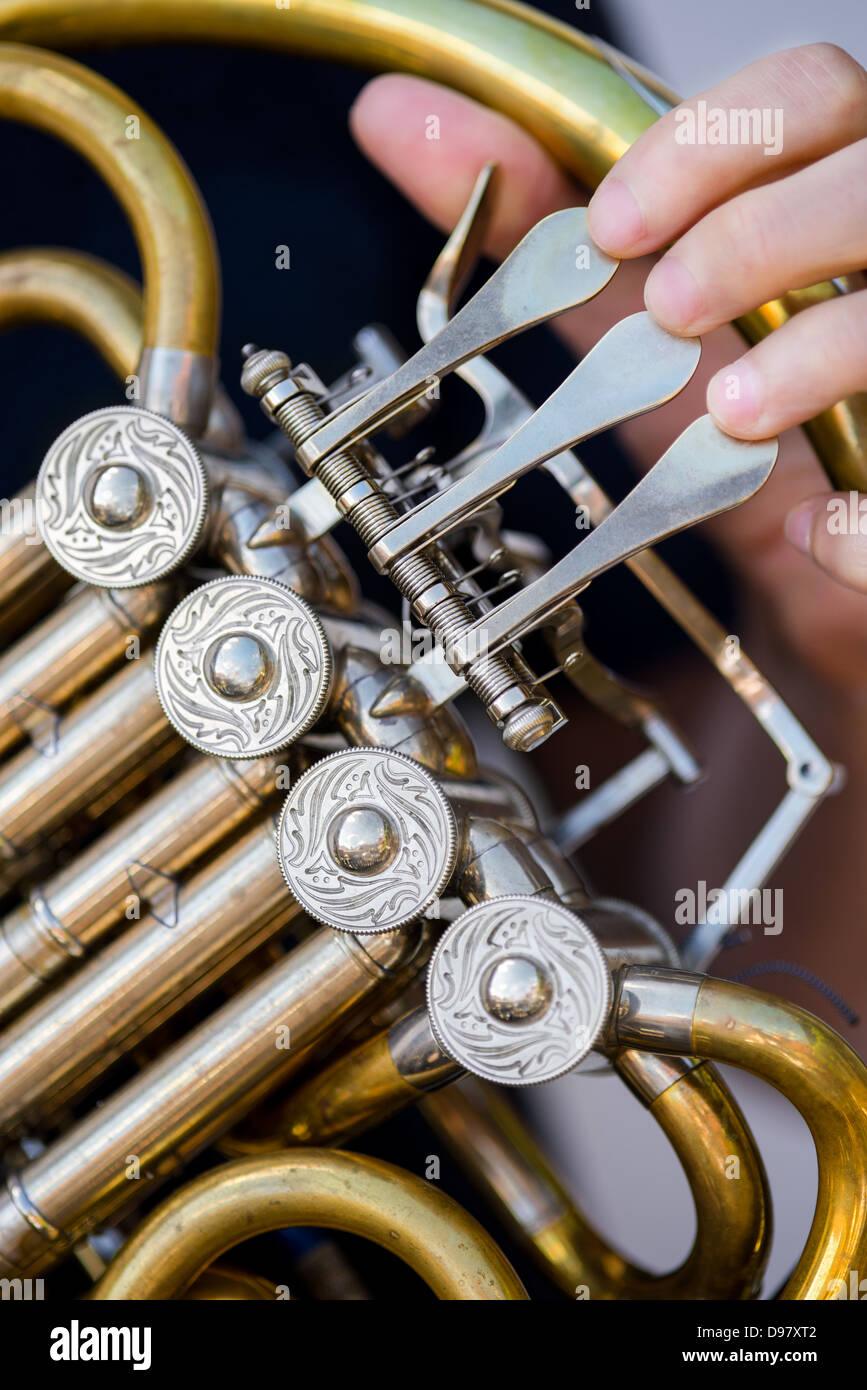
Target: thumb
(832,530)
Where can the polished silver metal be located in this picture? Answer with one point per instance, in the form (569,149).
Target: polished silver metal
(554,268)
(179,385)
(602,806)
(518,990)
(243,667)
(634,368)
(654,1009)
(703,473)
(121,497)
(367,840)
(526,716)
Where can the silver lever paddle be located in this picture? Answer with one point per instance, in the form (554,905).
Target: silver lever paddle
(554,268)
(635,367)
(703,473)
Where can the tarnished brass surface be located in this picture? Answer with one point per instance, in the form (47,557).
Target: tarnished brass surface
(180,886)
(83,639)
(53,285)
(30,578)
(134,865)
(194,1091)
(117,734)
(821,1075)
(155,967)
(695,1110)
(700,1117)
(223,1283)
(171,226)
(506,55)
(348,1192)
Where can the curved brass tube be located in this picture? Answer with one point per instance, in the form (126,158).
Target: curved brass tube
(700,1117)
(813,1067)
(168,218)
(343,1191)
(690,1103)
(672,1011)
(225,1284)
(52,285)
(534,69)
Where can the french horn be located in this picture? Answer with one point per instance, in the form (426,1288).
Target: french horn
(262,865)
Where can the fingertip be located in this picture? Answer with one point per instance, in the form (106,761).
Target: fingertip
(673,296)
(799,523)
(734,399)
(614,217)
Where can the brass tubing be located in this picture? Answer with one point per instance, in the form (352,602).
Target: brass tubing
(135,862)
(359,1089)
(404,1066)
(345,1192)
(536,70)
(801,1057)
(134,985)
(110,741)
(69,289)
(223,1283)
(147,176)
(813,1067)
(707,1131)
(30,579)
(85,636)
(192,1093)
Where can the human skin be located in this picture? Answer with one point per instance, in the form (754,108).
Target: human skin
(740,228)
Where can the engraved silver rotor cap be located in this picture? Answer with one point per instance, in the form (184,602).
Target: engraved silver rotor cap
(367,840)
(243,667)
(518,990)
(121,497)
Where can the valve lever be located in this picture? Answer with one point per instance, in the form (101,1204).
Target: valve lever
(703,473)
(554,268)
(636,367)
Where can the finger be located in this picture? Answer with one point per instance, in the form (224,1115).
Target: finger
(833,530)
(762,243)
(809,364)
(663,184)
(432,142)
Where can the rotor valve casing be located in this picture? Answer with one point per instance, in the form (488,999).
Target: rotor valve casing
(518,990)
(243,667)
(367,840)
(122,497)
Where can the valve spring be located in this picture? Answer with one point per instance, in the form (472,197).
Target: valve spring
(488,677)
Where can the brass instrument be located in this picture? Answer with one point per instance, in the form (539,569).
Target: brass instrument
(259,891)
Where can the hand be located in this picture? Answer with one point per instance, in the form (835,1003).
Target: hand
(745,227)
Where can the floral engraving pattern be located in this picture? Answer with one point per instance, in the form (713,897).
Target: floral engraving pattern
(291,632)
(426,840)
(533,1049)
(176,481)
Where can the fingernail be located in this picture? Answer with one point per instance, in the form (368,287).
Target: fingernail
(672,295)
(734,395)
(615,220)
(799,526)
